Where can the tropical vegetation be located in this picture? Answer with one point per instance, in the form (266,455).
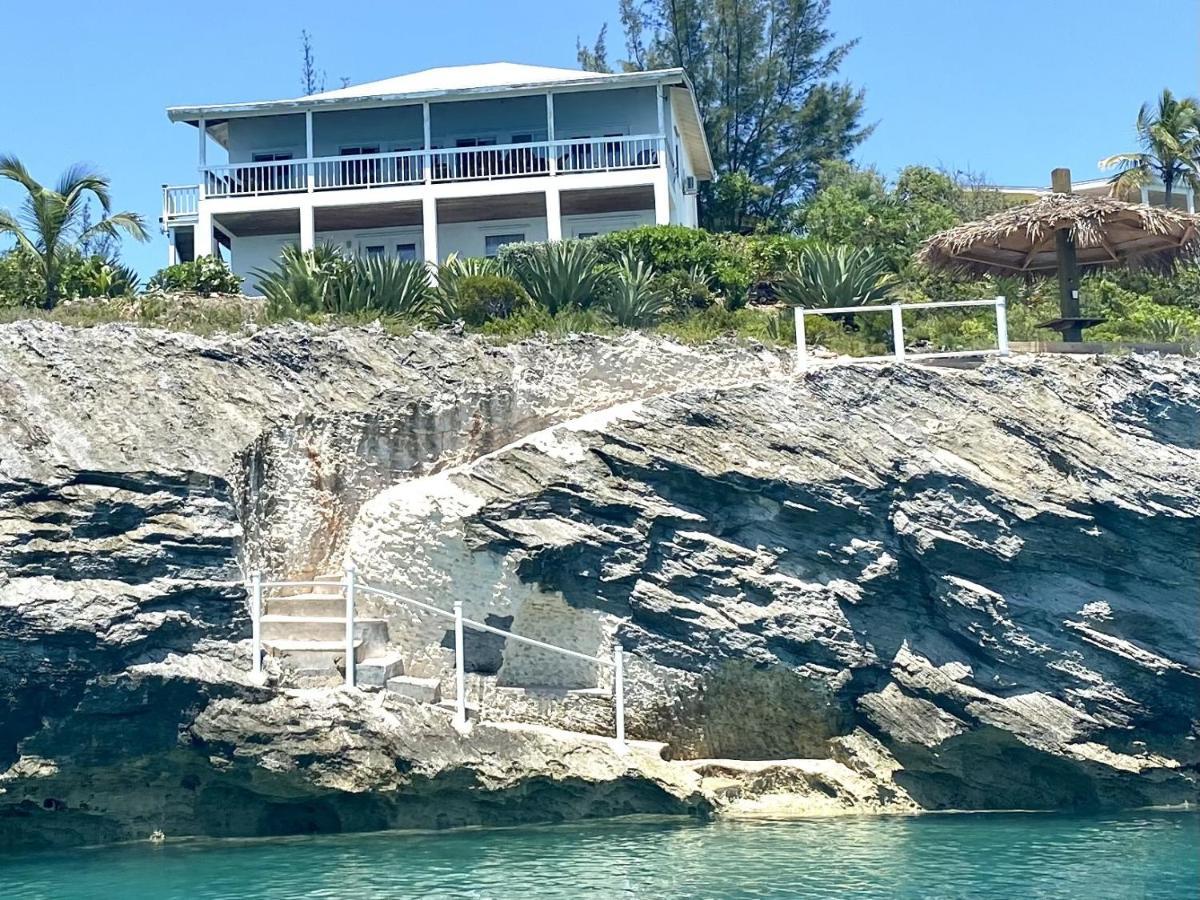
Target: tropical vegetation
(53,228)
(1169,134)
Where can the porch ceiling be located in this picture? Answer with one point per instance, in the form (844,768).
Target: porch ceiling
(624,199)
(367,215)
(249,224)
(484,209)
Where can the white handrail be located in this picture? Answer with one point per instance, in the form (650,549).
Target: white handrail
(352,586)
(897,310)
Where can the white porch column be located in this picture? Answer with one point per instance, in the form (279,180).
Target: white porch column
(662,198)
(428,165)
(172,251)
(429,224)
(1191,200)
(308,231)
(202,156)
(310,175)
(553,152)
(204,232)
(553,214)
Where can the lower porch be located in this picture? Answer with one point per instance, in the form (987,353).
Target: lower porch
(429,229)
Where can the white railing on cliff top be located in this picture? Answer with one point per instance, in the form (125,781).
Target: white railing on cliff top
(351,585)
(899,353)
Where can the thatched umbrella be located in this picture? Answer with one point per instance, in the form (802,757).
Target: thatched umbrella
(1065,232)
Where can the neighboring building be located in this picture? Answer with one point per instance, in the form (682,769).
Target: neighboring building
(1154,193)
(451,160)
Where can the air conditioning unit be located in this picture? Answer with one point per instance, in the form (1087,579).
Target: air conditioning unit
(689,184)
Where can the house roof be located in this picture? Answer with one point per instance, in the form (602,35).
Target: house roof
(457,78)
(464,83)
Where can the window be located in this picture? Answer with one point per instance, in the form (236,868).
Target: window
(375,250)
(525,138)
(493,242)
(587,234)
(360,171)
(406,252)
(268,178)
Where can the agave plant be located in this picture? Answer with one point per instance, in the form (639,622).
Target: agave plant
(825,276)
(383,286)
(562,275)
(1165,329)
(301,281)
(632,300)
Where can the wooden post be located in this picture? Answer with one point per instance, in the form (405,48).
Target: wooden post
(1068,264)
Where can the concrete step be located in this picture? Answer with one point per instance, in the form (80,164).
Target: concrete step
(321,628)
(376,670)
(423,690)
(309,604)
(315,656)
(329,578)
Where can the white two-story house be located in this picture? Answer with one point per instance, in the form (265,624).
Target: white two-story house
(452,160)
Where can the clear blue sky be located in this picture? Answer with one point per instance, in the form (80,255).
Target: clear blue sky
(1010,88)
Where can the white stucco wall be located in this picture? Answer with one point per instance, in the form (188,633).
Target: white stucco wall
(461,238)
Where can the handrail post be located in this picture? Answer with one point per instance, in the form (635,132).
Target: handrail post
(256,623)
(801,340)
(460,669)
(1002,325)
(349,586)
(619,694)
(898,332)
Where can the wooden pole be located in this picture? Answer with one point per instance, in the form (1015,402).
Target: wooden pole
(1068,264)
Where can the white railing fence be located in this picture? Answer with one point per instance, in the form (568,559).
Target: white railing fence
(180,200)
(405,167)
(899,352)
(352,587)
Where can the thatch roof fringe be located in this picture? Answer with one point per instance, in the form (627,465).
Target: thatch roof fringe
(1105,231)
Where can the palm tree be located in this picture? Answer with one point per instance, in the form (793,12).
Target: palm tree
(53,223)
(1170,139)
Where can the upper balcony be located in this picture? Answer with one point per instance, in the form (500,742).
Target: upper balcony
(410,167)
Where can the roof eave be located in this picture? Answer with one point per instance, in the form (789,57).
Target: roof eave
(192,114)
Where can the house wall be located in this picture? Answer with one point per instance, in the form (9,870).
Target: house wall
(582,114)
(461,238)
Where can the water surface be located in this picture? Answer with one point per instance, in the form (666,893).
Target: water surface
(1151,854)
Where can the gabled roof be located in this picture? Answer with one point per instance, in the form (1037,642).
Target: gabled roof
(464,83)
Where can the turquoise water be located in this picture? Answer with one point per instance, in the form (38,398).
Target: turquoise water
(979,856)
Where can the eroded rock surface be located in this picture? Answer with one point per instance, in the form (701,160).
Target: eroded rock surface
(871,588)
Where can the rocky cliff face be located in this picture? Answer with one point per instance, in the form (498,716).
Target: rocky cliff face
(920,587)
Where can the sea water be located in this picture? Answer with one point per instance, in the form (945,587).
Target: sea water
(1012,855)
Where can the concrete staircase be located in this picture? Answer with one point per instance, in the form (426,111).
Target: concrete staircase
(307,630)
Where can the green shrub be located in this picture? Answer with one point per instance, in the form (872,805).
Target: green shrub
(561,275)
(97,276)
(204,275)
(632,300)
(685,291)
(477,299)
(674,248)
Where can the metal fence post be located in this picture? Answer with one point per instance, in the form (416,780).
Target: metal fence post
(256,623)
(898,332)
(460,669)
(350,589)
(1002,325)
(619,694)
(801,340)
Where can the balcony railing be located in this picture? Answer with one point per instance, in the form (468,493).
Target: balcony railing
(407,167)
(179,202)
